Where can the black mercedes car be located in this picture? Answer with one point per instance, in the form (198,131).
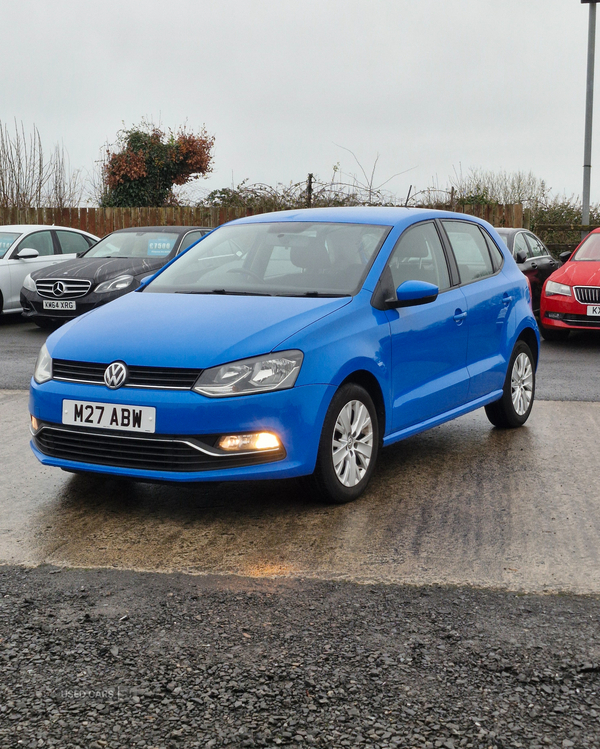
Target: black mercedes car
(533,258)
(114,266)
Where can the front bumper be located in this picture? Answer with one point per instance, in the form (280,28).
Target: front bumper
(566,313)
(33,305)
(295,416)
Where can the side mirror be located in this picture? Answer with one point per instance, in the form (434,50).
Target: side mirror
(27,253)
(564,256)
(413,293)
(521,256)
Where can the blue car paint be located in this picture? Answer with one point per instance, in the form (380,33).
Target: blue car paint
(165,329)
(339,337)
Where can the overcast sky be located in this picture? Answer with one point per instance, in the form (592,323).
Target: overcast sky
(432,86)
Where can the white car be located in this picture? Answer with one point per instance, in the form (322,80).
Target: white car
(28,247)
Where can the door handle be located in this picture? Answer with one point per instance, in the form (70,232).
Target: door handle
(459,316)
(506,300)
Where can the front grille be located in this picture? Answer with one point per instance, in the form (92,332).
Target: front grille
(62,288)
(587,294)
(145,452)
(583,321)
(164,378)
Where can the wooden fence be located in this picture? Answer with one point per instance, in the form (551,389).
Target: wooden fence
(101,221)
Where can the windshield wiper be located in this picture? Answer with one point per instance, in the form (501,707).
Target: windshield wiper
(228,292)
(316,294)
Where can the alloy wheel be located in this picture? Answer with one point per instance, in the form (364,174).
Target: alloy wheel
(352,443)
(522,383)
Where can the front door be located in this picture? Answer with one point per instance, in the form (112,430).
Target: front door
(429,342)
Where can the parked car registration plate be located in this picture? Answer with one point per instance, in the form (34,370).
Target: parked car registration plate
(594,311)
(58,304)
(109,416)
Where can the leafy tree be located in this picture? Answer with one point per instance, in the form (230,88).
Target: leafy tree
(148,163)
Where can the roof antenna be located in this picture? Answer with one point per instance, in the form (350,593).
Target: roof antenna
(408,196)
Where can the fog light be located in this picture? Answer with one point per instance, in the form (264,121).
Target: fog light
(253,441)
(555,315)
(35,424)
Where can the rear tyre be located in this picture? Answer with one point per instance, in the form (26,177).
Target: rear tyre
(348,447)
(513,409)
(553,334)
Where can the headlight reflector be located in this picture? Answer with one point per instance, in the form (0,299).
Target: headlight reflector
(115,284)
(277,371)
(553,288)
(29,283)
(43,366)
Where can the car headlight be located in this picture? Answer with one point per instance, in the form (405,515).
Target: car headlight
(115,284)
(29,283)
(277,371)
(553,288)
(43,366)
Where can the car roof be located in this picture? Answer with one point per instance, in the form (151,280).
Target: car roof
(161,229)
(509,229)
(35,227)
(375,215)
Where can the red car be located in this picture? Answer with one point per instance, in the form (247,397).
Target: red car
(571,295)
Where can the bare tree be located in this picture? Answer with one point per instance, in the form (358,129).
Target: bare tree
(28,179)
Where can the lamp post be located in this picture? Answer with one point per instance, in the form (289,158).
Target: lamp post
(589,109)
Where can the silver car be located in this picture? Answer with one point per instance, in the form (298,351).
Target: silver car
(28,247)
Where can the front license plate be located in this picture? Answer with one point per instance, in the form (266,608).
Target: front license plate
(593,311)
(57,304)
(109,416)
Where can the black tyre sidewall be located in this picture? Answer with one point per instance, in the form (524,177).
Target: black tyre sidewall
(329,486)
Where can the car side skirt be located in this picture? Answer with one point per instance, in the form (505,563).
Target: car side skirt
(442,418)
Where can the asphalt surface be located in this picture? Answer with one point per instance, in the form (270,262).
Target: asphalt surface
(454,605)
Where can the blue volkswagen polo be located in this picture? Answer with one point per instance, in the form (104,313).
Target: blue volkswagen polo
(291,344)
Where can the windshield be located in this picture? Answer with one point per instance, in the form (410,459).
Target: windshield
(281,259)
(7,239)
(140,244)
(590,249)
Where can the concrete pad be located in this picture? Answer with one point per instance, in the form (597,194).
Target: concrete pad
(461,504)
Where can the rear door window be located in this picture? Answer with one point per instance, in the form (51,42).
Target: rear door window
(537,248)
(71,241)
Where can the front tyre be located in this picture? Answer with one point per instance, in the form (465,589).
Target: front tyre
(513,409)
(348,447)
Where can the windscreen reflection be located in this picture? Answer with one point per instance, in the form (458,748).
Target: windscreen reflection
(282,259)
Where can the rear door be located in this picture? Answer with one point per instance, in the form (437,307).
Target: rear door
(489,297)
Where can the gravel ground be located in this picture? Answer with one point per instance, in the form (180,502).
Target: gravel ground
(107,658)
